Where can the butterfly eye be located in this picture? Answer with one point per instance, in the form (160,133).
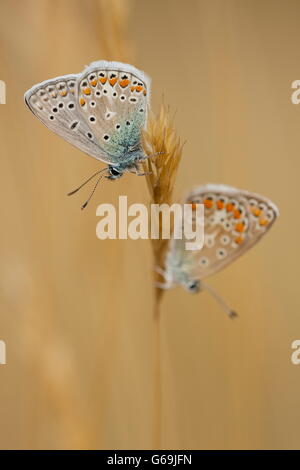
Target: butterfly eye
(114,171)
(193,286)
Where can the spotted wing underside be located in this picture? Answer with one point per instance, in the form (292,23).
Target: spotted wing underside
(101,111)
(234,221)
(54,103)
(113,100)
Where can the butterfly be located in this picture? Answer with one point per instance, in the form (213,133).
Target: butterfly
(234,220)
(102,111)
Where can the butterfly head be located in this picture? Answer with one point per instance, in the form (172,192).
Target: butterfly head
(114,173)
(193,285)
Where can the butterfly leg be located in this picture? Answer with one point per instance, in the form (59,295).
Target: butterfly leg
(165,285)
(138,171)
(160,271)
(168,284)
(153,155)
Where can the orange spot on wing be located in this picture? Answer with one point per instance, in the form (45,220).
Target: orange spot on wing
(139,88)
(102,80)
(82,101)
(256,211)
(94,82)
(87,91)
(113,81)
(132,88)
(229,207)
(220,205)
(145,92)
(239,240)
(237,214)
(208,203)
(240,227)
(124,83)
(63,93)
(263,222)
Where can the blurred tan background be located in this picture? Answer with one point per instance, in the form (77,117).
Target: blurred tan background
(77,312)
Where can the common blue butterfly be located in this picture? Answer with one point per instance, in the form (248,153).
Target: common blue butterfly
(102,111)
(234,220)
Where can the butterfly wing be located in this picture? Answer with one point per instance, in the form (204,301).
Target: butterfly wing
(54,103)
(234,221)
(113,99)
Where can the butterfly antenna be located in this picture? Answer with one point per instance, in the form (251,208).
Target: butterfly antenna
(92,193)
(231,313)
(89,179)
